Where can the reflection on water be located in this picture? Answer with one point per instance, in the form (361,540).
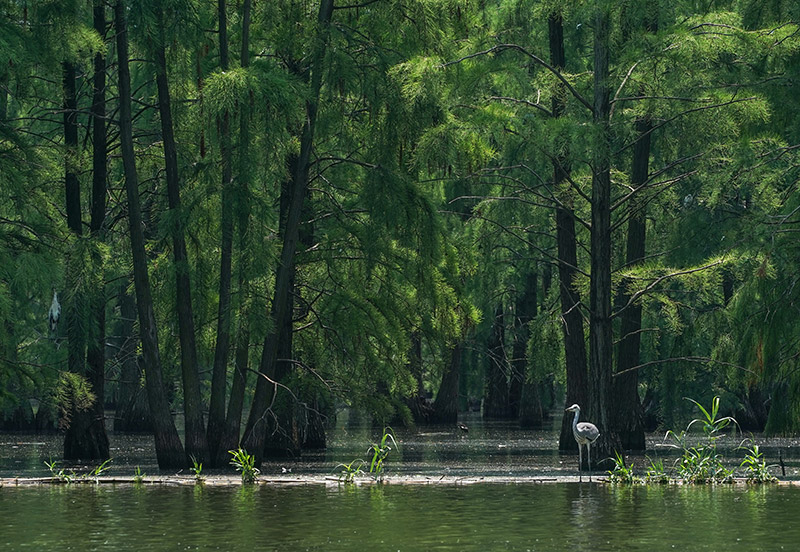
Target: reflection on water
(489,449)
(480,517)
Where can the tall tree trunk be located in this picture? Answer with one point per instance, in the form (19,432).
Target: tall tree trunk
(133,410)
(600,329)
(572,318)
(233,418)
(96,350)
(495,404)
(75,336)
(255,432)
(628,412)
(418,404)
(216,413)
(628,416)
(169,450)
(530,402)
(3,94)
(196,444)
(85,436)
(445,407)
(517,364)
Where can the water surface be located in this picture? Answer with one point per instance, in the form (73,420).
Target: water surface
(482,517)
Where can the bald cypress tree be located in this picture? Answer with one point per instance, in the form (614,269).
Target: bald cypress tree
(169,449)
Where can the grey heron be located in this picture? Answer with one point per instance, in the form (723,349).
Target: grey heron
(585,434)
(54,313)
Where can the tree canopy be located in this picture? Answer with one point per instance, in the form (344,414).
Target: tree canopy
(409,208)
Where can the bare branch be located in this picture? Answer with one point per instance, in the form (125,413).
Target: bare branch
(684,359)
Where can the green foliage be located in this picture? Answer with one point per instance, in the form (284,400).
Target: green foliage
(380,452)
(655,472)
(197,469)
(351,470)
(702,463)
(59,474)
(138,476)
(755,467)
(97,471)
(245,464)
(431,192)
(72,394)
(621,473)
(63,476)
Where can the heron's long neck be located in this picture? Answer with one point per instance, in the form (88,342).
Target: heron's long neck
(575,420)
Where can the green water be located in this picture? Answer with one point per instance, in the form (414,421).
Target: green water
(471,518)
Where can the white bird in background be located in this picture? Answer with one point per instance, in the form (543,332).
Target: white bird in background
(55,313)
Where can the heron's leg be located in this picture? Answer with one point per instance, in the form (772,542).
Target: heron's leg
(580,462)
(589,454)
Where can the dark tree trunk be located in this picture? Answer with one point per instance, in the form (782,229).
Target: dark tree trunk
(96,350)
(77,424)
(133,410)
(85,436)
(600,329)
(282,438)
(75,336)
(571,315)
(233,418)
(517,366)
(418,403)
(627,420)
(445,407)
(3,94)
(314,436)
(169,450)
(530,403)
(255,432)
(72,185)
(216,413)
(196,444)
(495,403)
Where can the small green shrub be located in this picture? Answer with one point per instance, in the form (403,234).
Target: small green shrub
(138,476)
(245,464)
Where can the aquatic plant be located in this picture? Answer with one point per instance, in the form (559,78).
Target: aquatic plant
(100,470)
(380,452)
(138,476)
(59,474)
(197,469)
(702,463)
(350,471)
(621,473)
(756,469)
(655,472)
(245,464)
(63,476)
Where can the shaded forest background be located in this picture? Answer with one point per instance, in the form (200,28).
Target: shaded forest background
(257,213)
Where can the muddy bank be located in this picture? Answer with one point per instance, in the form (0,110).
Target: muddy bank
(289,480)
